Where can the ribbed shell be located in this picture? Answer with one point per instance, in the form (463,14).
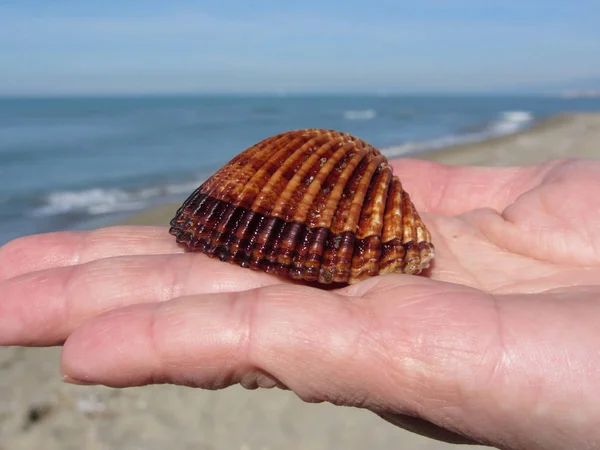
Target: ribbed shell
(315,205)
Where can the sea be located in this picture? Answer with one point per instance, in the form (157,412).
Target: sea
(85,162)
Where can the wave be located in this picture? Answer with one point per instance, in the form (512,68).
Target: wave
(508,122)
(100,201)
(511,122)
(366,114)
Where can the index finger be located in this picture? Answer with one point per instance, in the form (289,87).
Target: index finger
(68,248)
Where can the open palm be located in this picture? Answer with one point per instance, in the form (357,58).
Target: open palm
(498,344)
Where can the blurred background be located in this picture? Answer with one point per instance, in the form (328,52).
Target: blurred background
(109,109)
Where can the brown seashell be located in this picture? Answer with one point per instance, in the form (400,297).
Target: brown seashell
(314,205)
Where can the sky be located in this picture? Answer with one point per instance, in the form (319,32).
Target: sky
(110,46)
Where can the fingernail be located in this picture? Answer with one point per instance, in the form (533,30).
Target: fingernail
(67,379)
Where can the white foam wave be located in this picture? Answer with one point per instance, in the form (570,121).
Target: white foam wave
(420,146)
(509,122)
(90,201)
(366,114)
(98,201)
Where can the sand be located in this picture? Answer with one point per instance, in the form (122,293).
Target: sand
(37,410)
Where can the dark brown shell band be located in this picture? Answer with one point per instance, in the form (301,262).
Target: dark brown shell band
(249,239)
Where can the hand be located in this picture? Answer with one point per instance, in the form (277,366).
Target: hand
(499,344)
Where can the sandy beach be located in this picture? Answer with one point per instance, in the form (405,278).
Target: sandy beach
(37,410)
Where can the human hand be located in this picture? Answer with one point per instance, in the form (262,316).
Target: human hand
(500,344)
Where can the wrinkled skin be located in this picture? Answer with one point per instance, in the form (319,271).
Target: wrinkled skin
(498,344)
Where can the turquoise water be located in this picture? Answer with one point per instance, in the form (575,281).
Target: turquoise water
(70,163)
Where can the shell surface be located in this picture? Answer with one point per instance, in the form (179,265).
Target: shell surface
(315,205)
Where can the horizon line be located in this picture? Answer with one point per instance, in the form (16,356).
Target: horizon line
(282,94)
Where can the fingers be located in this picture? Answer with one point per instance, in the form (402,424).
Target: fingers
(387,353)
(494,372)
(42,308)
(43,251)
(453,190)
(358,351)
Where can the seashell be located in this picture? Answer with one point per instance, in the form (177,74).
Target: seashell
(315,205)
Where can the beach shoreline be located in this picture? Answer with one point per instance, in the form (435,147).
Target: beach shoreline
(567,135)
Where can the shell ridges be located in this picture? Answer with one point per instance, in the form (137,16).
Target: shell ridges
(315,205)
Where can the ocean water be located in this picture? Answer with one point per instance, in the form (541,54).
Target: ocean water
(77,163)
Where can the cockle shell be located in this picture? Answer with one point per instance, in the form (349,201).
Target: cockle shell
(315,205)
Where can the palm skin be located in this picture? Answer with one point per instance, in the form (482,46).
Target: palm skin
(498,344)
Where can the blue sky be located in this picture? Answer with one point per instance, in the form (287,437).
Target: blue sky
(63,46)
